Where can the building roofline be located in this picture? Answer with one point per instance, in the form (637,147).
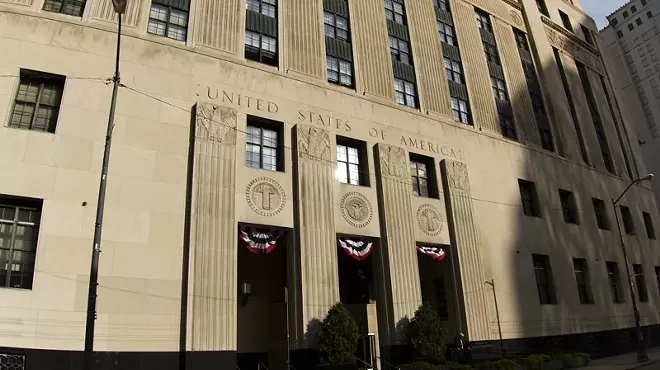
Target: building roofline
(619,8)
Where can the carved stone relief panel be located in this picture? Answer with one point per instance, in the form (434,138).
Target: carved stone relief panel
(356,209)
(457,176)
(429,220)
(394,162)
(313,143)
(265,196)
(570,47)
(216,124)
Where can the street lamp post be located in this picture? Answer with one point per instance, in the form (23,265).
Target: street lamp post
(642,356)
(119,7)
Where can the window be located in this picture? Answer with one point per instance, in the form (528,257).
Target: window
(638,21)
(70,7)
(19,229)
(263,144)
(619,34)
(339,71)
(600,210)
(168,21)
(530,200)
(422,171)
(394,11)
(37,103)
(507,126)
(566,21)
(442,4)
(633,9)
(441,298)
(649,15)
(542,8)
(648,223)
(351,162)
(543,276)
(582,279)
(265,7)
(614,22)
(587,35)
(460,111)
(625,14)
(483,21)
(657,276)
(261,48)
(446,33)
(399,50)
(537,104)
(628,223)
(631,27)
(491,53)
(499,88)
(642,293)
(643,2)
(521,40)
(568,206)
(335,26)
(405,93)
(614,280)
(454,72)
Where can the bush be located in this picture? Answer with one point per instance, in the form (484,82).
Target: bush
(584,357)
(457,366)
(504,364)
(338,337)
(417,366)
(536,361)
(427,337)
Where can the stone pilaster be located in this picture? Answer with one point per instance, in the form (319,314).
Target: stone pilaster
(213,238)
(398,241)
(465,241)
(304,38)
(220,25)
(315,226)
(103,10)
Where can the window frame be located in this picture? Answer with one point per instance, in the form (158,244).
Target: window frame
(483,20)
(649,14)
(408,98)
(566,21)
(638,21)
(261,7)
(631,26)
(542,7)
(362,165)
(442,30)
(63,6)
(263,125)
(431,184)
(391,13)
(507,126)
(168,22)
(340,74)
(640,282)
(500,92)
(600,212)
(54,82)
(588,37)
(582,280)
(546,289)
(492,54)
(569,207)
(334,27)
(648,225)
(452,73)
(442,5)
(531,206)
(396,53)
(627,220)
(614,281)
(260,54)
(25,204)
(464,116)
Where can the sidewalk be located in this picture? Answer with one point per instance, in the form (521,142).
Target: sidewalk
(627,361)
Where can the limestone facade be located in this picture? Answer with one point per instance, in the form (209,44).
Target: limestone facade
(180,189)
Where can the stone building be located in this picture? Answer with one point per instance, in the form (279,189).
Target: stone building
(270,158)
(629,47)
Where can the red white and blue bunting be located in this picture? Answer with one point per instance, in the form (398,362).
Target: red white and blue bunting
(437,253)
(356,248)
(259,241)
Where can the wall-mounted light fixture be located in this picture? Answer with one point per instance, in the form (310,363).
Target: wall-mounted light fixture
(246,291)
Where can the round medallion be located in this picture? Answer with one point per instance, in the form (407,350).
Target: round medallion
(265,196)
(356,209)
(429,219)
(516,18)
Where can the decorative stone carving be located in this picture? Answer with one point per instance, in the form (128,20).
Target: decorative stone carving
(265,196)
(572,48)
(216,124)
(516,18)
(356,209)
(429,220)
(457,176)
(313,143)
(394,162)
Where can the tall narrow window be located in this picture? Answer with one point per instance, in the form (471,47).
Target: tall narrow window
(648,224)
(566,21)
(542,8)
(338,46)
(499,88)
(335,26)
(530,199)
(543,275)
(399,50)
(263,144)
(405,93)
(37,103)
(19,229)
(460,111)
(614,280)
(352,162)
(604,85)
(70,7)
(402,61)
(657,276)
(483,21)
(446,33)
(626,217)
(507,127)
(394,11)
(422,172)
(169,19)
(454,70)
(601,214)
(568,206)
(582,279)
(640,282)
(339,71)
(587,35)
(261,32)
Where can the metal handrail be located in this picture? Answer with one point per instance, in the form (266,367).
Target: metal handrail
(290,367)
(260,364)
(387,363)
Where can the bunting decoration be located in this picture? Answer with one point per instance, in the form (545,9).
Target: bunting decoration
(437,253)
(356,248)
(259,241)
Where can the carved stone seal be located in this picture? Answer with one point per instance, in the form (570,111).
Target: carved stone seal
(356,209)
(216,124)
(429,220)
(516,18)
(265,196)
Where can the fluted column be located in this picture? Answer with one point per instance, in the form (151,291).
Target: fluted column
(397,241)
(315,225)
(213,244)
(220,25)
(103,10)
(304,39)
(465,241)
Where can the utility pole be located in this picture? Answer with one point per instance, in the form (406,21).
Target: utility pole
(497,314)
(120,8)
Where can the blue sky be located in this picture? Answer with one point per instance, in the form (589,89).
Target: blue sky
(599,9)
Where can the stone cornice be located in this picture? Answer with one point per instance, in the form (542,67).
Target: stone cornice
(575,50)
(548,22)
(514,3)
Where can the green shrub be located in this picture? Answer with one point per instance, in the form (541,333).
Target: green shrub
(585,357)
(338,337)
(421,365)
(427,337)
(504,364)
(457,366)
(536,361)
